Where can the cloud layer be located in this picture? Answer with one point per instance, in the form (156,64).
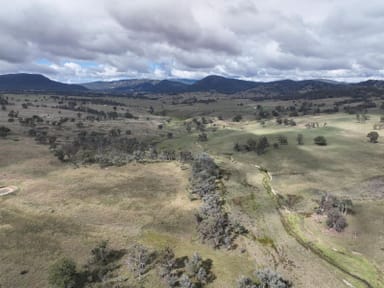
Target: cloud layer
(76,41)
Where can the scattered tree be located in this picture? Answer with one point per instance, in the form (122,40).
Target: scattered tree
(237,118)
(245,282)
(63,274)
(101,262)
(266,278)
(4,131)
(336,220)
(320,140)
(271,279)
(202,137)
(300,139)
(283,140)
(334,209)
(262,145)
(373,136)
(140,259)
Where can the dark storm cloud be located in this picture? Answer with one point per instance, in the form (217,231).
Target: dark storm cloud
(258,40)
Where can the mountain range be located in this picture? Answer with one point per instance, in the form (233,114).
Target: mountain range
(35,82)
(280,89)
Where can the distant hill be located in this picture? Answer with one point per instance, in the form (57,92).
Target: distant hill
(125,85)
(35,82)
(209,83)
(222,85)
(315,89)
(167,86)
(139,85)
(282,89)
(379,84)
(184,81)
(290,87)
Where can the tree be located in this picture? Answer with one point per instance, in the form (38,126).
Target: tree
(129,115)
(198,270)
(167,262)
(101,262)
(140,259)
(193,265)
(251,144)
(271,279)
(373,136)
(262,145)
(4,131)
(336,220)
(267,279)
(237,118)
(202,137)
(300,139)
(100,253)
(245,282)
(185,282)
(237,147)
(320,140)
(283,140)
(62,274)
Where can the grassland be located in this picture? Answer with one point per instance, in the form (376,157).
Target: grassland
(62,209)
(65,211)
(308,170)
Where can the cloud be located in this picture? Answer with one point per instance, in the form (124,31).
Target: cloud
(258,40)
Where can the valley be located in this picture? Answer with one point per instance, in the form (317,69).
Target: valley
(123,170)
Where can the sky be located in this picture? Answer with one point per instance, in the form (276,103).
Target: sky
(78,41)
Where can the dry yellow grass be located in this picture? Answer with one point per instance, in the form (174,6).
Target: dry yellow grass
(60,210)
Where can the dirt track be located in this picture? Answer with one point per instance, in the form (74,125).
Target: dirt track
(7,190)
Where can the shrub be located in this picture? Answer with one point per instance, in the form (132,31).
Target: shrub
(237,118)
(336,220)
(300,139)
(245,282)
(202,137)
(266,279)
(320,140)
(140,259)
(4,131)
(272,279)
(101,261)
(62,274)
(373,136)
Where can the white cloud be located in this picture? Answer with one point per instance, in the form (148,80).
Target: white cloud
(244,38)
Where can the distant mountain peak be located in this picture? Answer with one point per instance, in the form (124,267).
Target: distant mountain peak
(35,82)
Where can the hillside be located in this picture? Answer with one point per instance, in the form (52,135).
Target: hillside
(126,84)
(282,89)
(222,85)
(35,82)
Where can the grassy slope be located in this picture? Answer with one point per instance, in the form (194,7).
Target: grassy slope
(308,170)
(66,211)
(61,210)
